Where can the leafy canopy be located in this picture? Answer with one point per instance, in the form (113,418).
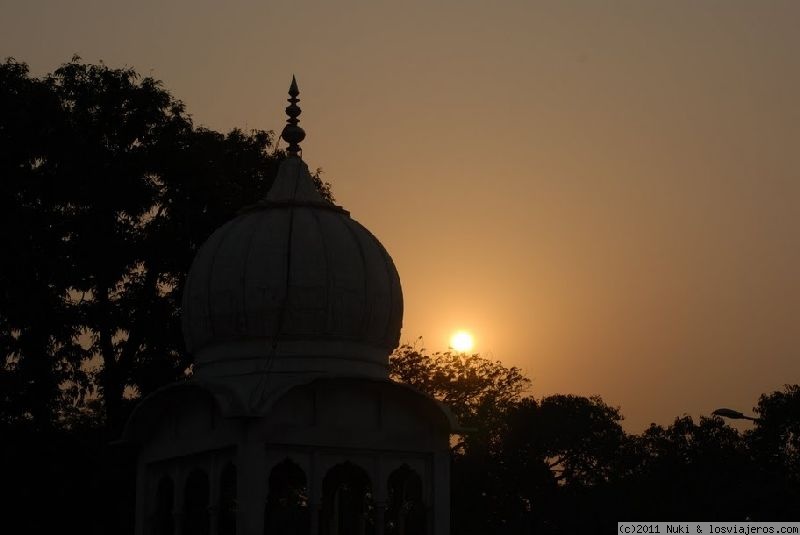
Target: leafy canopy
(477,390)
(108,190)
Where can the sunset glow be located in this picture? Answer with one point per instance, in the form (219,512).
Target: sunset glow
(462,341)
(608,191)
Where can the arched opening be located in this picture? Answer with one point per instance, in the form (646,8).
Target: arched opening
(405,509)
(286,510)
(163,520)
(195,505)
(226,523)
(347,507)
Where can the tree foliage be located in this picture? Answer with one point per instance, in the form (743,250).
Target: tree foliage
(577,438)
(108,189)
(777,435)
(564,464)
(690,469)
(477,390)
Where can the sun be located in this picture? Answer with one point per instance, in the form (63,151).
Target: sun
(462,341)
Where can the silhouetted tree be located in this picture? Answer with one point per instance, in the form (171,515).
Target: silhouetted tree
(108,190)
(477,390)
(774,444)
(775,439)
(524,460)
(690,470)
(577,438)
(32,275)
(552,452)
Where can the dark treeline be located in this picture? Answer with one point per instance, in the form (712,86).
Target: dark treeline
(108,188)
(564,464)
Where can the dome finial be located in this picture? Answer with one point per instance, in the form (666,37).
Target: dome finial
(293,134)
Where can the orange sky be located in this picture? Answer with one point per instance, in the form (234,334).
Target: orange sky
(606,193)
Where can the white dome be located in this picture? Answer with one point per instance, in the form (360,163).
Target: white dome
(292,285)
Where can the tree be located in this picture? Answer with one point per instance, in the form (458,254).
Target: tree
(577,438)
(108,189)
(774,444)
(689,470)
(775,439)
(553,453)
(477,390)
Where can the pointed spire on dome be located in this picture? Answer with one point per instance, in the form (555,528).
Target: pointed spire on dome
(293,134)
(293,185)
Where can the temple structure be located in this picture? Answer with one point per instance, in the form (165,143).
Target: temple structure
(290,424)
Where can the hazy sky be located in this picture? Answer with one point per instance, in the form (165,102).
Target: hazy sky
(606,193)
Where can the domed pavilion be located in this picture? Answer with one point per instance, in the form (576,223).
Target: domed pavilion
(290,424)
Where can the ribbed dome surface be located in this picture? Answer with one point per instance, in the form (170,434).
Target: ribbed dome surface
(293,276)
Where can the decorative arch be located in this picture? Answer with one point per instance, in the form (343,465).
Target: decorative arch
(152,409)
(163,518)
(286,511)
(226,522)
(195,504)
(347,505)
(406,513)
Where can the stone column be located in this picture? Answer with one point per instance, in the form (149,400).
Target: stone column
(379,492)
(314,494)
(314,511)
(177,503)
(178,518)
(213,520)
(142,493)
(380,517)
(213,498)
(440,505)
(250,488)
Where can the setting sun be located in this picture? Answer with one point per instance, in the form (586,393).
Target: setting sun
(462,341)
